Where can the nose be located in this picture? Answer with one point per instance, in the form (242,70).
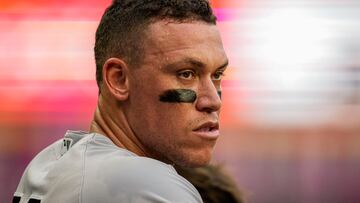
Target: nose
(208,97)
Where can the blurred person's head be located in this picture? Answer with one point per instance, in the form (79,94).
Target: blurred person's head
(159,65)
(213,183)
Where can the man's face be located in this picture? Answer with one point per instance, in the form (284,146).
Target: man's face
(175,93)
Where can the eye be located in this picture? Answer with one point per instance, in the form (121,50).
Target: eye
(186,74)
(218,75)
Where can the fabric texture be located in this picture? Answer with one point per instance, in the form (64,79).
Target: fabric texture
(89,168)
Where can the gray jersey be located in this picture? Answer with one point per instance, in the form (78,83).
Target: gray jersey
(89,168)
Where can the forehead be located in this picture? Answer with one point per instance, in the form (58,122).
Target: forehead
(190,39)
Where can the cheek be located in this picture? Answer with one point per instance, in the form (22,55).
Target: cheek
(163,112)
(168,129)
(173,119)
(173,115)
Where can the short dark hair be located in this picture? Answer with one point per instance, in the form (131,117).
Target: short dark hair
(121,29)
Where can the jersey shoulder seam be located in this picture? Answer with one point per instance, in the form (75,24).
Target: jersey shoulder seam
(83,167)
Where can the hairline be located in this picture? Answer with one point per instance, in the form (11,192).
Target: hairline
(146,29)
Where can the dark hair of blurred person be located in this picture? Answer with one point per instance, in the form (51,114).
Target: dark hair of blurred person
(214,184)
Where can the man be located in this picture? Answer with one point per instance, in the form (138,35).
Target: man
(159,68)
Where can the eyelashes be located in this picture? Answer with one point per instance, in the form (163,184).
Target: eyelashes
(190,74)
(186,74)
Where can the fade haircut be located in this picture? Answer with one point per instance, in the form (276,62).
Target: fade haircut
(122,27)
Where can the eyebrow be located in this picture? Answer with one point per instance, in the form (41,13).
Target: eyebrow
(194,62)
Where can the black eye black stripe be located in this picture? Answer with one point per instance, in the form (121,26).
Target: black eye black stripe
(178,96)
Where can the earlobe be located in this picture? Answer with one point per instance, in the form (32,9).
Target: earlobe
(115,78)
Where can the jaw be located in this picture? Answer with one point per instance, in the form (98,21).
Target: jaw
(192,158)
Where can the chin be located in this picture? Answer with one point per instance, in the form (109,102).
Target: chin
(194,160)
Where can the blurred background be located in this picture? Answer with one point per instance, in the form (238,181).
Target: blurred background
(291,104)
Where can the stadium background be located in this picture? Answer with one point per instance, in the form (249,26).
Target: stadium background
(291,104)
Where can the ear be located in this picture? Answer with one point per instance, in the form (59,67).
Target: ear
(116,78)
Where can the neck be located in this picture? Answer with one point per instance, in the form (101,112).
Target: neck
(113,124)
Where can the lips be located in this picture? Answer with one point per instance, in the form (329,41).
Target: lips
(208,126)
(209,130)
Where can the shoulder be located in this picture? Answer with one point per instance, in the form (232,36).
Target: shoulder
(117,178)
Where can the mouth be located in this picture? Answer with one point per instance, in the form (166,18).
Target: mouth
(208,130)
